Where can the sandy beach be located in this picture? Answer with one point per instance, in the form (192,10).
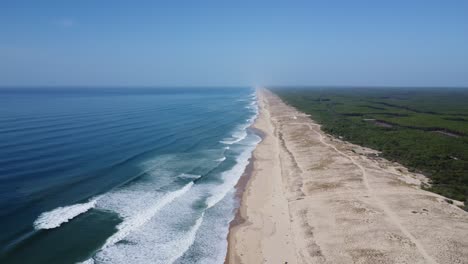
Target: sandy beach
(313,198)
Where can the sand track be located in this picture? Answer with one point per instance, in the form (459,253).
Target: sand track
(382,205)
(313,198)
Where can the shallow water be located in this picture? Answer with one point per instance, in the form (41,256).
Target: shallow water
(121,175)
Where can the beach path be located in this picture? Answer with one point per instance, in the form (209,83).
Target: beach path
(313,198)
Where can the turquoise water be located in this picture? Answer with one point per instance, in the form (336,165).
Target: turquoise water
(121,175)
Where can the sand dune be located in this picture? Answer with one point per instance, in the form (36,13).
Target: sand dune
(315,199)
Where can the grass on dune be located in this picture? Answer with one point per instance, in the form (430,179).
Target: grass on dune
(425,129)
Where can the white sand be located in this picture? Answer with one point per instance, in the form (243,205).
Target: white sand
(316,199)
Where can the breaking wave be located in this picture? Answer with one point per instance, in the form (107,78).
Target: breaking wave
(232,176)
(60,215)
(163,225)
(139,219)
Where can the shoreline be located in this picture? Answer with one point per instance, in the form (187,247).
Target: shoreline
(265,162)
(240,188)
(307,197)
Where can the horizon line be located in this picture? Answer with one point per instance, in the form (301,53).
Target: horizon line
(295,86)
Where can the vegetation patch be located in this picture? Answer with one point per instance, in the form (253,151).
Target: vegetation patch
(425,129)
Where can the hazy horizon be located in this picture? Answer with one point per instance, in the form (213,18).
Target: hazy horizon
(213,43)
(305,86)
(139,131)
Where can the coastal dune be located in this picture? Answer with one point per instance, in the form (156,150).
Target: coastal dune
(313,198)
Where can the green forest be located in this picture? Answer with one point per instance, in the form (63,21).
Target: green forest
(425,129)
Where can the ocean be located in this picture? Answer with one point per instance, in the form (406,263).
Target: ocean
(121,175)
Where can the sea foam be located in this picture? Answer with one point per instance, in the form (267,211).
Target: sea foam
(88,261)
(221,159)
(232,176)
(189,176)
(240,133)
(185,243)
(162,240)
(60,215)
(153,232)
(140,218)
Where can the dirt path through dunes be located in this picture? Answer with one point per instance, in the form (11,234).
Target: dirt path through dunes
(313,198)
(381,204)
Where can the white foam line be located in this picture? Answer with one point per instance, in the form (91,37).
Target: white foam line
(230,142)
(60,215)
(221,159)
(88,261)
(237,136)
(231,177)
(188,241)
(139,219)
(189,176)
(241,132)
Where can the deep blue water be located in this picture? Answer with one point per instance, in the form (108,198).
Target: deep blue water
(121,175)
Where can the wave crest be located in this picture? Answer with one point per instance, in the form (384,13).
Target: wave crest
(58,216)
(136,221)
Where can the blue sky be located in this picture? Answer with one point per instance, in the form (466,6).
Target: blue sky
(176,43)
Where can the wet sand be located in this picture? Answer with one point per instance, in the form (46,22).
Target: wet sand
(312,198)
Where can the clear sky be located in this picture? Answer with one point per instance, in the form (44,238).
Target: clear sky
(176,43)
